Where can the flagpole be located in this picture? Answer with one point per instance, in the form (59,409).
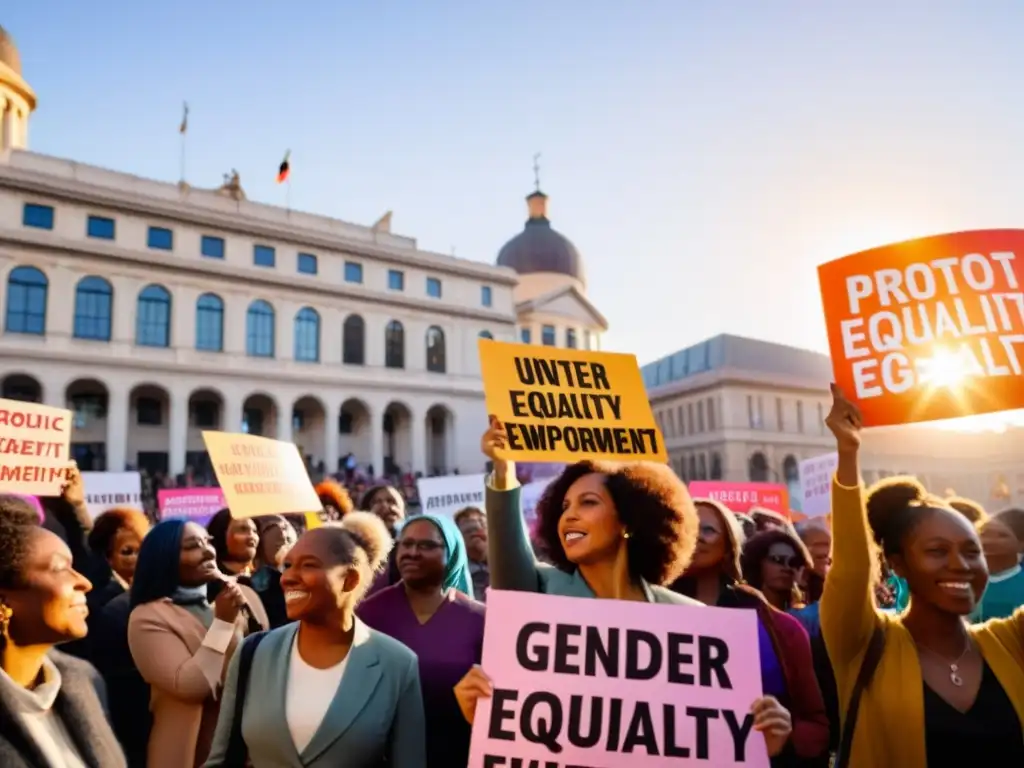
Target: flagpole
(288,195)
(183,130)
(182,159)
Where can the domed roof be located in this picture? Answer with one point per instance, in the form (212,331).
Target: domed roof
(9,52)
(539,248)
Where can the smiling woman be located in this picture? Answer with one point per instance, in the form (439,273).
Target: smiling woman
(42,603)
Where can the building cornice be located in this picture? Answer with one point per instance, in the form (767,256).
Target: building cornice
(244,219)
(258,278)
(736,376)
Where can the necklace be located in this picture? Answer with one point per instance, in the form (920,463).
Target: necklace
(954,666)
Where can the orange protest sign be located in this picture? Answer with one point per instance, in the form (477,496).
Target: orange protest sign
(569,404)
(930,328)
(34,444)
(260,476)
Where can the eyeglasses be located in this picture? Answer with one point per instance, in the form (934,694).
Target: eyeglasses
(793,561)
(420,545)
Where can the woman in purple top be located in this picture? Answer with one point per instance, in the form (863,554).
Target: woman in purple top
(432,611)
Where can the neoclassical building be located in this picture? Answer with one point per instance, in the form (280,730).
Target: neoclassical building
(739,409)
(157,310)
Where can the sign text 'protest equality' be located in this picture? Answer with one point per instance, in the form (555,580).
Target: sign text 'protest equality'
(34,448)
(260,476)
(567,404)
(930,328)
(603,684)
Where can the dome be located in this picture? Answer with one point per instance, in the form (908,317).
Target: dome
(539,248)
(9,52)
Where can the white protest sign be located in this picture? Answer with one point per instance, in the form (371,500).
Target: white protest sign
(816,484)
(106,490)
(448,494)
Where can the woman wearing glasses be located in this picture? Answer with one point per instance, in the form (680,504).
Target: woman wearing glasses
(432,611)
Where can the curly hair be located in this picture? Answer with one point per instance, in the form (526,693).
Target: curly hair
(652,503)
(367,500)
(332,493)
(969,508)
(18,521)
(756,550)
(360,539)
(106,526)
(895,506)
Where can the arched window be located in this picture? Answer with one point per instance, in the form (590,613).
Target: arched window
(435,349)
(570,338)
(394,345)
(307,336)
(486,335)
(26,301)
(693,468)
(210,323)
(259,329)
(716,466)
(758,469)
(153,317)
(94,309)
(353,341)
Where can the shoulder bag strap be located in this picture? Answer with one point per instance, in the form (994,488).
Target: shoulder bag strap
(872,656)
(237,753)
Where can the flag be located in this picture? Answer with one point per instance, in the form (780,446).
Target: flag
(183,128)
(284,169)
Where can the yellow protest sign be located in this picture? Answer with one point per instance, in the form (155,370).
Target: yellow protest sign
(260,476)
(34,448)
(569,404)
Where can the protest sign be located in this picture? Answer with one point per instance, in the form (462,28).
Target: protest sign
(447,495)
(34,442)
(106,490)
(816,484)
(930,328)
(260,476)
(569,404)
(590,683)
(197,504)
(742,497)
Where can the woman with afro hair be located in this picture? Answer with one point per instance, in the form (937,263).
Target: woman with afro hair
(943,692)
(615,531)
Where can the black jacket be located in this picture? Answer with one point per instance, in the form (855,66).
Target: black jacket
(81,707)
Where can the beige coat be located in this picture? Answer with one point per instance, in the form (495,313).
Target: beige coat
(185,678)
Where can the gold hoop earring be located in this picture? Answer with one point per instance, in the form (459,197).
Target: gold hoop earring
(626,534)
(5,618)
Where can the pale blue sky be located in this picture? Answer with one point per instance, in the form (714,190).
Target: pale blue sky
(704,156)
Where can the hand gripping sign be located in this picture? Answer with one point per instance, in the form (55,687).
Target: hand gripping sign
(929,328)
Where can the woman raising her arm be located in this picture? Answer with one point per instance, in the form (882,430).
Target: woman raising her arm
(944,693)
(614,531)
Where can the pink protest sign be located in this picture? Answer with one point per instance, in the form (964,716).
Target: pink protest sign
(606,684)
(198,504)
(741,497)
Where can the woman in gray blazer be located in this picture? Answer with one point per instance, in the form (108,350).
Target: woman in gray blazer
(326,691)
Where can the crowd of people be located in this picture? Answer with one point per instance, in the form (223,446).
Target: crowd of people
(891,634)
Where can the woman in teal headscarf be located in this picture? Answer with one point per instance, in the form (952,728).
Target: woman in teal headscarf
(432,611)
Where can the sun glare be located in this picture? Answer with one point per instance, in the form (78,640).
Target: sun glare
(944,369)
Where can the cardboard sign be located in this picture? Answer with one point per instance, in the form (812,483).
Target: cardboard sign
(816,484)
(260,476)
(610,684)
(930,328)
(569,404)
(34,444)
(197,504)
(106,490)
(451,493)
(742,497)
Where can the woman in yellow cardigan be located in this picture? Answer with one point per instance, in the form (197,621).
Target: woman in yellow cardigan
(944,693)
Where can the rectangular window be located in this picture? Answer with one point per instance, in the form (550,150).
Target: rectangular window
(307,264)
(212,247)
(396,280)
(353,272)
(160,238)
(690,423)
(433,288)
(486,298)
(799,416)
(750,411)
(37,216)
(780,416)
(700,416)
(264,256)
(711,415)
(547,336)
(524,335)
(100,227)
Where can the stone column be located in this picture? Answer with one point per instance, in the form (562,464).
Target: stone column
(177,417)
(377,440)
(418,429)
(117,428)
